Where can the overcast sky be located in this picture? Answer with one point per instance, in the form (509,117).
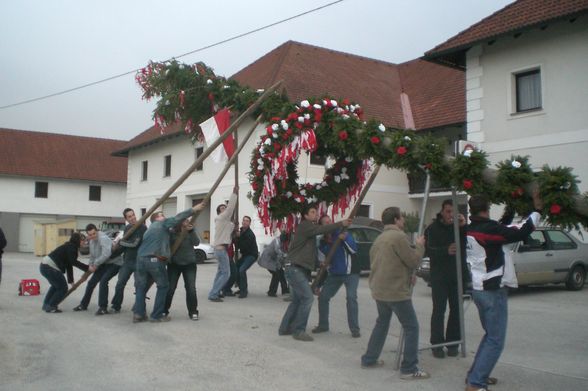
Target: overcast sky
(50,46)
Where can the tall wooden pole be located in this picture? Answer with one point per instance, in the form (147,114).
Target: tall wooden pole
(327,262)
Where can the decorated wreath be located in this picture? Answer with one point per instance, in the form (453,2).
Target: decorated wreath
(335,129)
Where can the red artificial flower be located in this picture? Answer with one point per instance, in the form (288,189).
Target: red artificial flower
(254,185)
(518,192)
(343,135)
(467,184)
(555,209)
(292,116)
(270,131)
(258,173)
(277,147)
(318,114)
(275,119)
(298,125)
(428,166)
(401,150)
(285,135)
(346,101)
(375,140)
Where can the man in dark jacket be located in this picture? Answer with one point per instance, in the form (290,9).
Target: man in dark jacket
(441,249)
(247,245)
(2,245)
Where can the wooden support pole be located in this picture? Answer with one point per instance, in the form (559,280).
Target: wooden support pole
(208,196)
(327,262)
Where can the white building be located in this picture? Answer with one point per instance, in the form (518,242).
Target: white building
(417,94)
(47,177)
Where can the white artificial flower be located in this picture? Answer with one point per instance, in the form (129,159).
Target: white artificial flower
(208,81)
(268,141)
(340,110)
(468,152)
(225,87)
(261,151)
(324,184)
(352,108)
(344,170)
(289,194)
(260,167)
(303,192)
(275,135)
(300,119)
(260,161)
(334,102)
(407,138)
(337,179)
(318,187)
(260,91)
(381,128)
(344,176)
(348,159)
(275,127)
(306,116)
(516,164)
(284,125)
(317,106)
(305,103)
(345,116)
(297,199)
(325,102)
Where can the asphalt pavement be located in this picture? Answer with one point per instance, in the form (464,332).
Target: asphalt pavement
(235,344)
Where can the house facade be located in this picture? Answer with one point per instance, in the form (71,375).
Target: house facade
(46,178)
(417,95)
(526,82)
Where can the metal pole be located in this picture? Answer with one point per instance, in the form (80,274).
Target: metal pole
(400,349)
(458,261)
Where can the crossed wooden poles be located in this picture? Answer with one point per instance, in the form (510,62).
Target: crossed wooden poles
(234,126)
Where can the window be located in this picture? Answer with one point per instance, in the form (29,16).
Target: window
(167,166)
(317,159)
(560,240)
(528,90)
(199,152)
(95,193)
(144,170)
(41,189)
(364,210)
(143,211)
(534,242)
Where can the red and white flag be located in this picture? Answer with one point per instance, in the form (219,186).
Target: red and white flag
(212,128)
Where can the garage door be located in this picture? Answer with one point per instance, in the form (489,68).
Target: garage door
(170,207)
(26,230)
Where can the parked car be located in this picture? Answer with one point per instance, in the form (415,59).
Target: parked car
(424,270)
(549,256)
(203,251)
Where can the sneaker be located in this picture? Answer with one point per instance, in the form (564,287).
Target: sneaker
(194,316)
(114,310)
(377,364)
(282,333)
(302,337)
(452,351)
(228,293)
(416,375)
(319,329)
(139,318)
(242,295)
(355,334)
(216,299)
(272,294)
(80,308)
(438,353)
(491,381)
(164,318)
(54,311)
(475,388)
(287,298)
(102,311)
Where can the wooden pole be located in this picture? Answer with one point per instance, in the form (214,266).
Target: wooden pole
(327,262)
(208,196)
(189,171)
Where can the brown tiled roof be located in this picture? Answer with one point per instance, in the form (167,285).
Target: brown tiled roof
(436,93)
(516,17)
(51,155)
(150,136)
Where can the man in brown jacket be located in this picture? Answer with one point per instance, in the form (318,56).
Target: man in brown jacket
(392,262)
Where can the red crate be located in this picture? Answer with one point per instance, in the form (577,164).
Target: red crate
(29,287)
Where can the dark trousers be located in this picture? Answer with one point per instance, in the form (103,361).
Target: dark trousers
(124,274)
(243,264)
(444,291)
(58,288)
(188,272)
(278,277)
(102,275)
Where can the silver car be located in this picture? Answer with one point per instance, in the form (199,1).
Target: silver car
(551,255)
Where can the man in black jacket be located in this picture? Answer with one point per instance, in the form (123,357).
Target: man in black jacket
(2,245)
(441,249)
(247,245)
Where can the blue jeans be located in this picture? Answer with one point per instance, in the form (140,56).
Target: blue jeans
(189,274)
(296,317)
(58,288)
(493,311)
(407,317)
(146,267)
(102,276)
(222,273)
(124,274)
(330,289)
(243,265)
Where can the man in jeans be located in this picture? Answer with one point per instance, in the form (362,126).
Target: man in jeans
(392,262)
(300,262)
(152,257)
(247,245)
(485,239)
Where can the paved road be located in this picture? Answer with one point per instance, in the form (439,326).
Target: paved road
(235,344)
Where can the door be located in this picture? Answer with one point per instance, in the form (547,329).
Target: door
(564,251)
(532,259)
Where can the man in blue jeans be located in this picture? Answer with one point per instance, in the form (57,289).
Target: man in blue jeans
(152,257)
(392,262)
(247,245)
(300,262)
(486,258)
(343,270)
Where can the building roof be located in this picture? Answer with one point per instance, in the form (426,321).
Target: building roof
(436,93)
(50,155)
(520,16)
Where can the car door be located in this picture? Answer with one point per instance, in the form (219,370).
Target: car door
(532,260)
(363,247)
(563,253)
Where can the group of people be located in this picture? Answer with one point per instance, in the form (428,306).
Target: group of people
(164,251)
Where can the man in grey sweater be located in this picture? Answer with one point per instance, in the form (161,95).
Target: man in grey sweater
(300,262)
(102,265)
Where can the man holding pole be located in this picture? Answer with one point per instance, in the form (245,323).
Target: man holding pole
(151,261)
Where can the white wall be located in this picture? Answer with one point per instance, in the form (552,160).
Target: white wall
(555,135)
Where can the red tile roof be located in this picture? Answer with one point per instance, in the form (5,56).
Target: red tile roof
(516,17)
(50,155)
(150,136)
(436,93)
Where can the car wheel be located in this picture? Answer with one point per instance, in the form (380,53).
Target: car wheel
(576,279)
(200,256)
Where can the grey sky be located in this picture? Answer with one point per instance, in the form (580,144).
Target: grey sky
(49,46)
